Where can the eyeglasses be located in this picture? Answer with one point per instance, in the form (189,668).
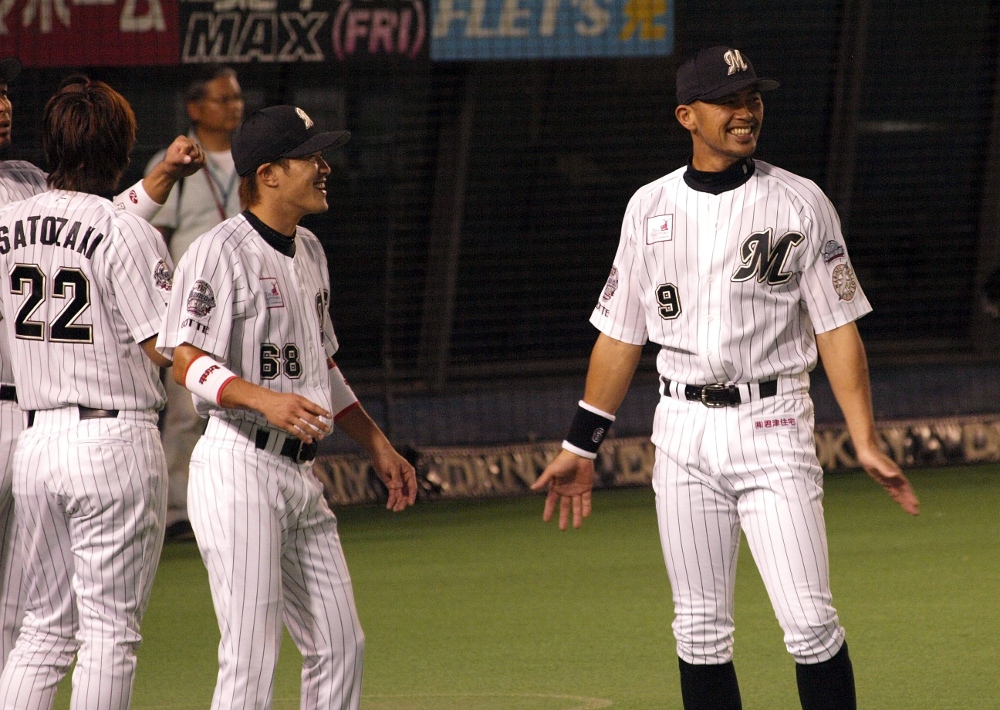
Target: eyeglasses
(225,100)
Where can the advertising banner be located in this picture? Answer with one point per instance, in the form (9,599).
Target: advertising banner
(546,29)
(240,31)
(67,33)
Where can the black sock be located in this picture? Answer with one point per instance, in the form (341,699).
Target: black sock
(828,685)
(710,687)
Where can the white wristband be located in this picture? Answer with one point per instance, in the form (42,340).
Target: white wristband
(342,397)
(207,378)
(137,201)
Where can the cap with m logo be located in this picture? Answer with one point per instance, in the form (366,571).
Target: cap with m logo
(716,72)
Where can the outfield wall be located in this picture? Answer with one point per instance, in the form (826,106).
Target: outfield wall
(507,470)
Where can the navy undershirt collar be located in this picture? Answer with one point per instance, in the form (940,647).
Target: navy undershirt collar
(739,173)
(286,245)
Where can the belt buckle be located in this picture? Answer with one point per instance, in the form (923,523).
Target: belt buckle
(305,452)
(714,387)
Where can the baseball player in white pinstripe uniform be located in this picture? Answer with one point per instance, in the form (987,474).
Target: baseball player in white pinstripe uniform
(20,180)
(249,330)
(83,289)
(738,269)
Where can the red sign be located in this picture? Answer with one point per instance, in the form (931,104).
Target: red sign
(65,33)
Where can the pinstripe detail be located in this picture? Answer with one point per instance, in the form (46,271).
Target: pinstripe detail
(93,497)
(270,544)
(728,331)
(125,308)
(234,260)
(12,586)
(717,472)
(266,535)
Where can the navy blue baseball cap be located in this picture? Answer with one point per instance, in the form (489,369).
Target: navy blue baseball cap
(279,132)
(716,72)
(10,67)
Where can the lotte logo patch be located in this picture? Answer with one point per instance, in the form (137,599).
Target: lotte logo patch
(659,228)
(272,297)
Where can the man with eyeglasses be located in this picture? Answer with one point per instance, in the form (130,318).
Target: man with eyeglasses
(214,103)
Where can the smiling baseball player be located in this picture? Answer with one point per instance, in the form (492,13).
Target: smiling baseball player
(739,271)
(20,180)
(83,289)
(249,330)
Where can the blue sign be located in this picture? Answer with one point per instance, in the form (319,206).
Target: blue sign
(545,29)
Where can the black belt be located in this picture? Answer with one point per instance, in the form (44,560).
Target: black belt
(719,395)
(8,393)
(295,449)
(85,413)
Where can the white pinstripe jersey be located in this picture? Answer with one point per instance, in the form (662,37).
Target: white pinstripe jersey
(81,284)
(732,286)
(263,314)
(19,180)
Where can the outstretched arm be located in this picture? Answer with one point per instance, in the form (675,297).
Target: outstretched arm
(846,366)
(570,477)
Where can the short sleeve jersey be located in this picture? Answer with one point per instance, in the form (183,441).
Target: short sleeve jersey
(262,313)
(733,286)
(20,180)
(81,285)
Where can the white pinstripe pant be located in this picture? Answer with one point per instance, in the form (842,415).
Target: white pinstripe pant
(12,587)
(270,543)
(717,472)
(91,499)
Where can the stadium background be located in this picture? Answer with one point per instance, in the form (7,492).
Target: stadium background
(476,210)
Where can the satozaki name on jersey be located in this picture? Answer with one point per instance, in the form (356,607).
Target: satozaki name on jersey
(48,231)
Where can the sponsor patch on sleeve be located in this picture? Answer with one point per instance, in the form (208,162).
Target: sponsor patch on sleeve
(832,251)
(201,299)
(611,286)
(162,276)
(659,228)
(844,282)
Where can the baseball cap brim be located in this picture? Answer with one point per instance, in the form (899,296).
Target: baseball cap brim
(320,141)
(10,67)
(732,88)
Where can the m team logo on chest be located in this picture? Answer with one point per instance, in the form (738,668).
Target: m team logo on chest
(201,299)
(764,260)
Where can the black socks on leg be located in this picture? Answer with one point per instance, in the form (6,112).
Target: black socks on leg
(710,687)
(828,685)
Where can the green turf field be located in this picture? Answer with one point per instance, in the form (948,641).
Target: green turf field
(477,605)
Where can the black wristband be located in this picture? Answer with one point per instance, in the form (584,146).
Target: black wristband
(587,432)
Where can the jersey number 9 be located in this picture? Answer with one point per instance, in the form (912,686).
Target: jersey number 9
(670,302)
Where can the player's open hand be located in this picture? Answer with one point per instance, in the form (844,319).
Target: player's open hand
(297,415)
(570,480)
(398,476)
(884,471)
(184,157)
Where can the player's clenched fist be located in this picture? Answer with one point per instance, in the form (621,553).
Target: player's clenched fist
(184,157)
(570,480)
